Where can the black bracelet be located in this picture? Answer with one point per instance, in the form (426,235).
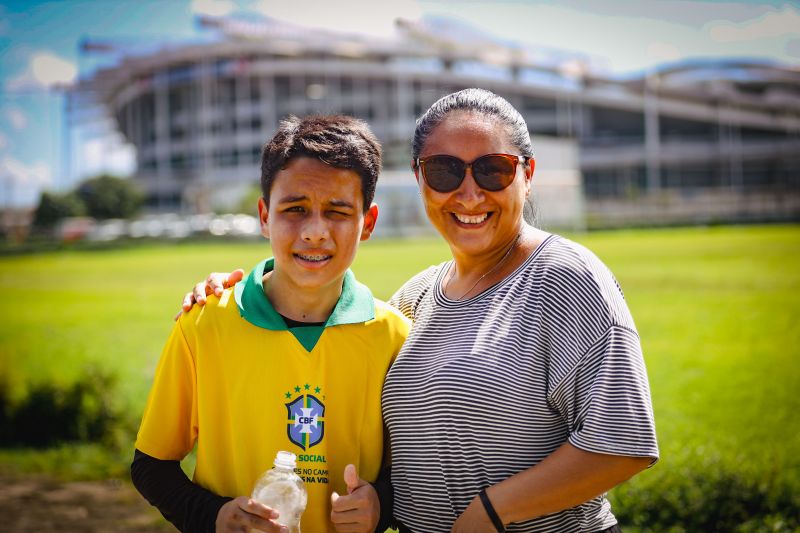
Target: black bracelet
(487,504)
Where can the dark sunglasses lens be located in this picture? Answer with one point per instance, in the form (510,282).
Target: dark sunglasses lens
(494,172)
(443,173)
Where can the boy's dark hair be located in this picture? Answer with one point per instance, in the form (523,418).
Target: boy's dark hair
(337,140)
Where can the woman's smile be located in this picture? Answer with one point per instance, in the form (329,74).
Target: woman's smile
(472,221)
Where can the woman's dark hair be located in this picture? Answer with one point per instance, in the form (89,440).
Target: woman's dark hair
(486,103)
(480,101)
(336,140)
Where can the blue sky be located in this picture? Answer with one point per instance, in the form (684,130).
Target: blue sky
(39,48)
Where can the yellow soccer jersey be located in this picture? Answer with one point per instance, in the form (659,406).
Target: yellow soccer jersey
(235,380)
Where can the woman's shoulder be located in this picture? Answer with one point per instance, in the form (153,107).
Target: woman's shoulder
(409,294)
(581,279)
(561,256)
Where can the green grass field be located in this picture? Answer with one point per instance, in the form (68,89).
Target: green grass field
(718,311)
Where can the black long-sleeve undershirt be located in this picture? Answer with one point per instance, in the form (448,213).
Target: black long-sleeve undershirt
(188,506)
(383,486)
(193,509)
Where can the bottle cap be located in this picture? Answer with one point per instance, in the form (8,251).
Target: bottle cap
(285,460)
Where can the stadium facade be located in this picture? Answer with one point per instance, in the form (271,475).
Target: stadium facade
(703,141)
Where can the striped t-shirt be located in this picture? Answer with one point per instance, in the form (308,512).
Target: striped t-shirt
(489,386)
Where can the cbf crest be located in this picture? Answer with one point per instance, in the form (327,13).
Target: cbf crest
(306,424)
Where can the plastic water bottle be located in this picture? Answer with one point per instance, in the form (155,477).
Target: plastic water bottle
(283,490)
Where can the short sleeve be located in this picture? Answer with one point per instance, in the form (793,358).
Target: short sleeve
(605,398)
(407,297)
(401,304)
(169,426)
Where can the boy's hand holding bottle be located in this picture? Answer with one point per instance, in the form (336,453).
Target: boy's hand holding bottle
(283,492)
(243,514)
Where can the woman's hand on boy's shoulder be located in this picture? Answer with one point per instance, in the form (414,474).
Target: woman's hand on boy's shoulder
(243,513)
(215,283)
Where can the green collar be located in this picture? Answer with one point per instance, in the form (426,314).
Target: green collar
(355,305)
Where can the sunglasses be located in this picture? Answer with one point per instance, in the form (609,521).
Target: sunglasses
(493,172)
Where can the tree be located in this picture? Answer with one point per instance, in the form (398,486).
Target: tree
(110,197)
(54,206)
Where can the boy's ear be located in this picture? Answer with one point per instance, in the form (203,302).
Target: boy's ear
(263,217)
(370,218)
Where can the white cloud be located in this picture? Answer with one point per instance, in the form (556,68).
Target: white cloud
(49,69)
(37,175)
(3,141)
(692,13)
(18,119)
(44,70)
(21,183)
(661,51)
(360,16)
(213,8)
(778,23)
(608,43)
(23,82)
(107,155)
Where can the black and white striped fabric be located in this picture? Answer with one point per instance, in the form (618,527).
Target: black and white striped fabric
(489,386)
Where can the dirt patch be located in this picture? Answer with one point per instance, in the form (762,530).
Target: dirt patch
(43,504)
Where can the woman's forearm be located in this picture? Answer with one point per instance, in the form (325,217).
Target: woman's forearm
(566,478)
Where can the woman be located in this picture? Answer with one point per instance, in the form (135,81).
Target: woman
(520,396)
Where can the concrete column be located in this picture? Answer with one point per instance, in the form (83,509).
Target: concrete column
(361,102)
(584,121)
(729,146)
(297,95)
(205,78)
(405,105)
(241,105)
(134,136)
(564,121)
(163,148)
(269,119)
(652,134)
(735,156)
(405,99)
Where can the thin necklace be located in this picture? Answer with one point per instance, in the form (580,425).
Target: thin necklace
(495,267)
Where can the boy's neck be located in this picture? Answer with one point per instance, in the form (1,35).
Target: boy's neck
(300,304)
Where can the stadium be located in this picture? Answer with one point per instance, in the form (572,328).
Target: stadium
(694,142)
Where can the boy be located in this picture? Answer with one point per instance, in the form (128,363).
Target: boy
(293,358)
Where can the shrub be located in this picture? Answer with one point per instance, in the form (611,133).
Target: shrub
(51,415)
(54,207)
(710,494)
(110,197)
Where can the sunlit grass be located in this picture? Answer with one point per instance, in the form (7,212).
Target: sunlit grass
(717,310)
